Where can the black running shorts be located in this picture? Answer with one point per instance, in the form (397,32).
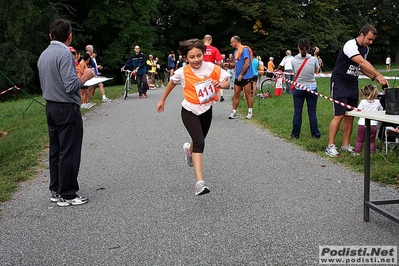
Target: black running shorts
(242,82)
(344,94)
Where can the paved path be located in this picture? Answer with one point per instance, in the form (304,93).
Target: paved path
(271,203)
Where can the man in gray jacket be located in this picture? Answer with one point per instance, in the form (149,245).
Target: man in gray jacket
(61,90)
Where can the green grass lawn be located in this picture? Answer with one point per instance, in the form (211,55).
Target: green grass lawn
(275,114)
(23,149)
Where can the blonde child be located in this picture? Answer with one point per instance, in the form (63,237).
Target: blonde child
(368,103)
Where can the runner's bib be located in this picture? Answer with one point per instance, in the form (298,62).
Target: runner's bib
(205,90)
(199,90)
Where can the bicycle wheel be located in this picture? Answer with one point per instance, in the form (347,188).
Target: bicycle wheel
(166,75)
(127,87)
(266,87)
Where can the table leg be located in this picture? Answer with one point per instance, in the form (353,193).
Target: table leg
(367,172)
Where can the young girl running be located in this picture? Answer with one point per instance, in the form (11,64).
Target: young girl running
(369,103)
(200,81)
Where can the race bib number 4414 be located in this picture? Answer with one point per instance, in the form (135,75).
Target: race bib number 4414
(205,90)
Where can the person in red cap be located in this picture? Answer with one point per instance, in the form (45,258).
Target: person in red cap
(76,56)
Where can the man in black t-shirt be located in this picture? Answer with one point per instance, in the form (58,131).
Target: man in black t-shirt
(351,61)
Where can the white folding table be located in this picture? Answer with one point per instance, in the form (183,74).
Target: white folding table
(375,204)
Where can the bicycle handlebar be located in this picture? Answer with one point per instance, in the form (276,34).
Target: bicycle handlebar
(128,72)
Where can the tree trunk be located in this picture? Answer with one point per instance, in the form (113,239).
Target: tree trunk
(397,54)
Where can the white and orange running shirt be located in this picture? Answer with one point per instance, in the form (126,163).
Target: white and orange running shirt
(199,95)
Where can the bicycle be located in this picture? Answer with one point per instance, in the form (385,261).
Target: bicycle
(266,87)
(128,82)
(166,74)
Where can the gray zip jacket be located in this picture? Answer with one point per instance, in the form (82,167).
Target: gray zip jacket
(306,76)
(58,75)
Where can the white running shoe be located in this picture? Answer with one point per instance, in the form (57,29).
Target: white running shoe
(331,151)
(249,116)
(68,202)
(348,148)
(233,116)
(187,154)
(54,197)
(200,188)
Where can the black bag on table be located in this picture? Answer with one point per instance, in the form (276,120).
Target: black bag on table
(392,101)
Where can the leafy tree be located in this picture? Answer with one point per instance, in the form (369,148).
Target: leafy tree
(114,27)
(24,35)
(384,15)
(15,48)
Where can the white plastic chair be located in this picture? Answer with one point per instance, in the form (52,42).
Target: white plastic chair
(389,132)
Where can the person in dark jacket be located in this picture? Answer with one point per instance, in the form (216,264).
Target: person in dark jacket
(137,63)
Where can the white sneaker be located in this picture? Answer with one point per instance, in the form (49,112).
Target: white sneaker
(348,148)
(54,197)
(84,106)
(201,189)
(105,99)
(249,116)
(187,154)
(331,151)
(68,202)
(233,115)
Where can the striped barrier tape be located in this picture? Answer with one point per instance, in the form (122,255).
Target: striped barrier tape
(7,90)
(21,90)
(320,95)
(321,75)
